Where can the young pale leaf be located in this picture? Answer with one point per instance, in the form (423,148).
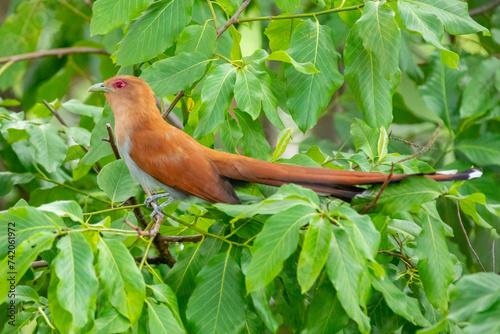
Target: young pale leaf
(164,294)
(171,75)
(309,94)
(345,270)
(154,31)
(115,180)
(217,304)
(435,265)
(247,93)
(161,319)
(197,38)
(279,33)
(123,284)
(65,209)
(373,90)
(277,241)
(400,303)
(110,14)
(383,142)
(483,150)
(216,96)
(364,138)
(50,148)
(381,36)
(326,314)
(283,140)
(253,141)
(314,252)
(281,55)
(25,253)
(77,287)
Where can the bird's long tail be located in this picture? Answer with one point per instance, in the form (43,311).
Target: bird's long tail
(337,183)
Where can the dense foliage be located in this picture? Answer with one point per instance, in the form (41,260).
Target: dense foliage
(352,84)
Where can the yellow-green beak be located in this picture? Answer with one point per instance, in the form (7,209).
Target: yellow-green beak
(99,88)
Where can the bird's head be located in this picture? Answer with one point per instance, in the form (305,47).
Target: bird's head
(125,91)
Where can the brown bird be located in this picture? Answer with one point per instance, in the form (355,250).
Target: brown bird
(161,156)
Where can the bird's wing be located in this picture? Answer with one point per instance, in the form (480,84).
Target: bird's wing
(177,160)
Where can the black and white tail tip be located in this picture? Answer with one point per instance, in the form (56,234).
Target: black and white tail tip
(469,174)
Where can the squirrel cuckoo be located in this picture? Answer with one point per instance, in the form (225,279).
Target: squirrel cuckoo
(161,156)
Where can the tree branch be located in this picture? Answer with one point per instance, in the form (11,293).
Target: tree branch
(173,103)
(467,237)
(233,19)
(112,142)
(380,191)
(401,256)
(485,8)
(52,52)
(426,147)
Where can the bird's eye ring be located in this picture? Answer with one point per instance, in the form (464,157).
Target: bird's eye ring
(119,84)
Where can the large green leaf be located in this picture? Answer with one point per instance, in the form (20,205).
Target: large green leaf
(381,36)
(9,179)
(274,244)
(483,150)
(217,304)
(345,270)
(309,94)
(115,180)
(216,97)
(364,138)
(279,33)
(314,252)
(326,315)
(110,14)
(77,281)
(50,148)
(372,90)
(154,31)
(434,265)
(77,107)
(171,75)
(14,266)
(247,92)
(110,321)
(161,319)
(197,38)
(65,209)
(98,147)
(164,294)
(123,284)
(269,101)
(253,141)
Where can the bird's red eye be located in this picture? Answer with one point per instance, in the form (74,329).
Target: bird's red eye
(119,84)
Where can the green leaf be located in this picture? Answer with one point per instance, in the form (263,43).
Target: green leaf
(216,96)
(473,294)
(230,134)
(247,92)
(50,148)
(253,141)
(485,322)
(69,209)
(79,135)
(400,303)
(382,144)
(98,147)
(164,294)
(8,180)
(217,304)
(154,31)
(110,321)
(253,324)
(381,36)
(28,221)
(13,269)
(79,108)
(345,271)
(274,244)
(269,101)
(161,319)
(364,138)
(483,150)
(279,33)
(326,314)
(480,88)
(309,94)
(109,14)
(260,299)
(372,90)
(411,192)
(314,252)
(123,284)
(284,138)
(197,38)
(77,286)
(281,55)
(434,262)
(288,6)
(171,75)
(115,180)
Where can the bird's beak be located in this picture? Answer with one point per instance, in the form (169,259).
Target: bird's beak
(99,88)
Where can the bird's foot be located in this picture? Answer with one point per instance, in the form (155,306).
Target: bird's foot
(157,214)
(154,199)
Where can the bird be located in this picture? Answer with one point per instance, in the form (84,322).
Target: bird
(163,157)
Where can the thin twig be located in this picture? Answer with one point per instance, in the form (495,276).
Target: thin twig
(401,256)
(426,147)
(53,52)
(181,238)
(173,103)
(233,19)
(467,237)
(380,191)
(407,142)
(485,8)
(493,255)
(111,141)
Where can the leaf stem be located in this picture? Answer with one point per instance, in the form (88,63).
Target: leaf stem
(467,237)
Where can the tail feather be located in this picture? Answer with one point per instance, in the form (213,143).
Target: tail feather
(337,183)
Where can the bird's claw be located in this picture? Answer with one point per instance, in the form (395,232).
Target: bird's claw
(154,199)
(157,214)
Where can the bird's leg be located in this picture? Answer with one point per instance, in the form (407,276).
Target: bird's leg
(157,209)
(155,198)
